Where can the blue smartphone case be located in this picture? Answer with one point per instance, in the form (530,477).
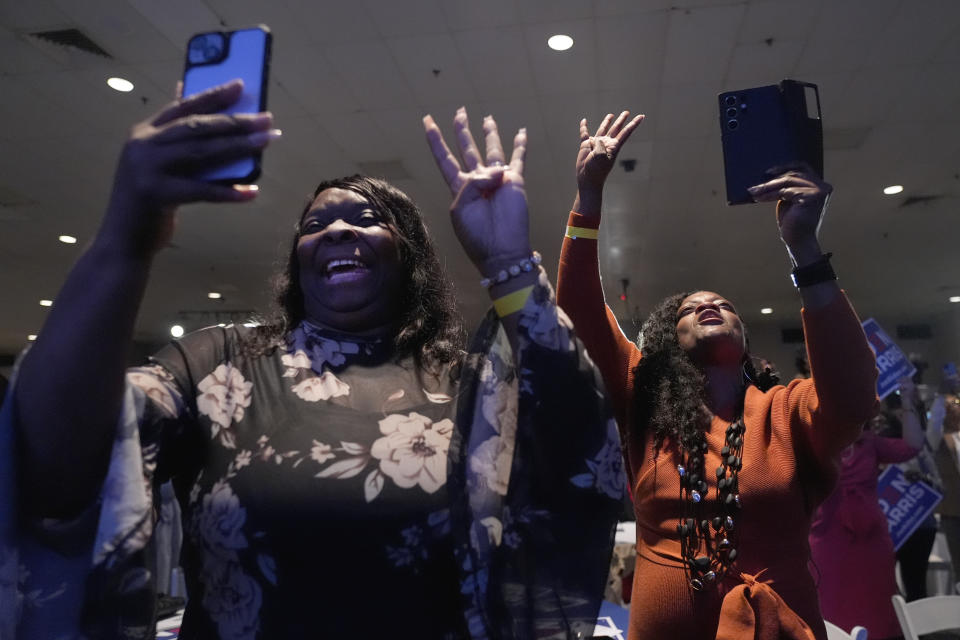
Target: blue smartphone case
(245,54)
(766,127)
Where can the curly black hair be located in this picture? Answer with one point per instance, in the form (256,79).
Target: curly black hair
(668,388)
(428,327)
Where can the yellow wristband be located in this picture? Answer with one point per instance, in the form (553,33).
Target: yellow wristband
(512,302)
(582,232)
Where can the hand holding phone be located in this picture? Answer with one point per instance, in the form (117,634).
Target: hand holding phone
(767,127)
(217,57)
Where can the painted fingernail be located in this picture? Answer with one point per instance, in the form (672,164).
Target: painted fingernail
(246,188)
(263,137)
(753,189)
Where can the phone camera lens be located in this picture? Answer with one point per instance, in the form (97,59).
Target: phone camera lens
(732,112)
(732,124)
(730,100)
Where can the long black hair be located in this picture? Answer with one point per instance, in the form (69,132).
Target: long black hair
(428,326)
(668,388)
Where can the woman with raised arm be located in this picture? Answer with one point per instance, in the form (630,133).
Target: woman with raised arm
(726,468)
(345,469)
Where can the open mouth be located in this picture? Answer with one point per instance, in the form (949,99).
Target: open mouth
(710,317)
(345,269)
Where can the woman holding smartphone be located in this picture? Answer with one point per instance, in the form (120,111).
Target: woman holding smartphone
(726,468)
(345,469)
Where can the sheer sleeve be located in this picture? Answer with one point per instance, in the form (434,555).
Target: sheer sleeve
(537,479)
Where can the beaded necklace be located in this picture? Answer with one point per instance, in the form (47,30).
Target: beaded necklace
(709,546)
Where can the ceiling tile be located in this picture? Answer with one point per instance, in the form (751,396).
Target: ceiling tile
(542,11)
(371,74)
(630,50)
(432,67)
(407,18)
(466,15)
(699,43)
(497,61)
(334,22)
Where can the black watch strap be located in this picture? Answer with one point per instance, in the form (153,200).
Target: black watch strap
(814,273)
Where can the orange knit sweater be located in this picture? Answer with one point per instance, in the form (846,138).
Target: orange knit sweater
(793,435)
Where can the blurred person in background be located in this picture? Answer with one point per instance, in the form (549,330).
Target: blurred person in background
(850,541)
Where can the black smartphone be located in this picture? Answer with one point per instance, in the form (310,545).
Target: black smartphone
(766,127)
(217,57)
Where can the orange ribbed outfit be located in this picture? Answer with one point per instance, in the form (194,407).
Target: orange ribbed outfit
(793,436)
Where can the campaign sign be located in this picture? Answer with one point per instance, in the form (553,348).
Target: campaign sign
(612,622)
(906,504)
(891,361)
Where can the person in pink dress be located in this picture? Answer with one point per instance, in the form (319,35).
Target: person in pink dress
(850,543)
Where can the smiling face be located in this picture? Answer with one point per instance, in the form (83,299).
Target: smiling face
(709,329)
(350,269)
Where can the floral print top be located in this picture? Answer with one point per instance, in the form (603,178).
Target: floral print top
(329,491)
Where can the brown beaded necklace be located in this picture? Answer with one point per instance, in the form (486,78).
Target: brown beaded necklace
(709,546)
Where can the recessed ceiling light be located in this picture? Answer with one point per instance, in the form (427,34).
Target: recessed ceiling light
(68,240)
(560,42)
(893,189)
(120,84)
(954,298)
(32,337)
(766,311)
(213,295)
(176,331)
(46,303)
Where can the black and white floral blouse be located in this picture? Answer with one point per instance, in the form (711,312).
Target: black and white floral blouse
(330,492)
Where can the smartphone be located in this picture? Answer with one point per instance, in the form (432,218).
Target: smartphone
(766,127)
(217,57)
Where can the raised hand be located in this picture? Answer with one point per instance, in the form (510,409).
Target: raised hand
(157,167)
(802,200)
(489,209)
(598,155)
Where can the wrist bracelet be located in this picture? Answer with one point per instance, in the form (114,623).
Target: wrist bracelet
(581,232)
(512,302)
(524,266)
(814,273)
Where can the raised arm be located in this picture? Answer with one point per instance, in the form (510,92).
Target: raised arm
(843,368)
(70,384)
(579,289)
(489,213)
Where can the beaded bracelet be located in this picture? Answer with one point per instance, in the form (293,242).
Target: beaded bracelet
(524,266)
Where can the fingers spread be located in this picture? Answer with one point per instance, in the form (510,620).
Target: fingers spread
(447,162)
(212,125)
(209,101)
(618,123)
(627,130)
(468,147)
(491,136)
(584,132)
(602,129)
(518,157)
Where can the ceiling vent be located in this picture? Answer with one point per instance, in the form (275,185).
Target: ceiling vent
(72,39)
